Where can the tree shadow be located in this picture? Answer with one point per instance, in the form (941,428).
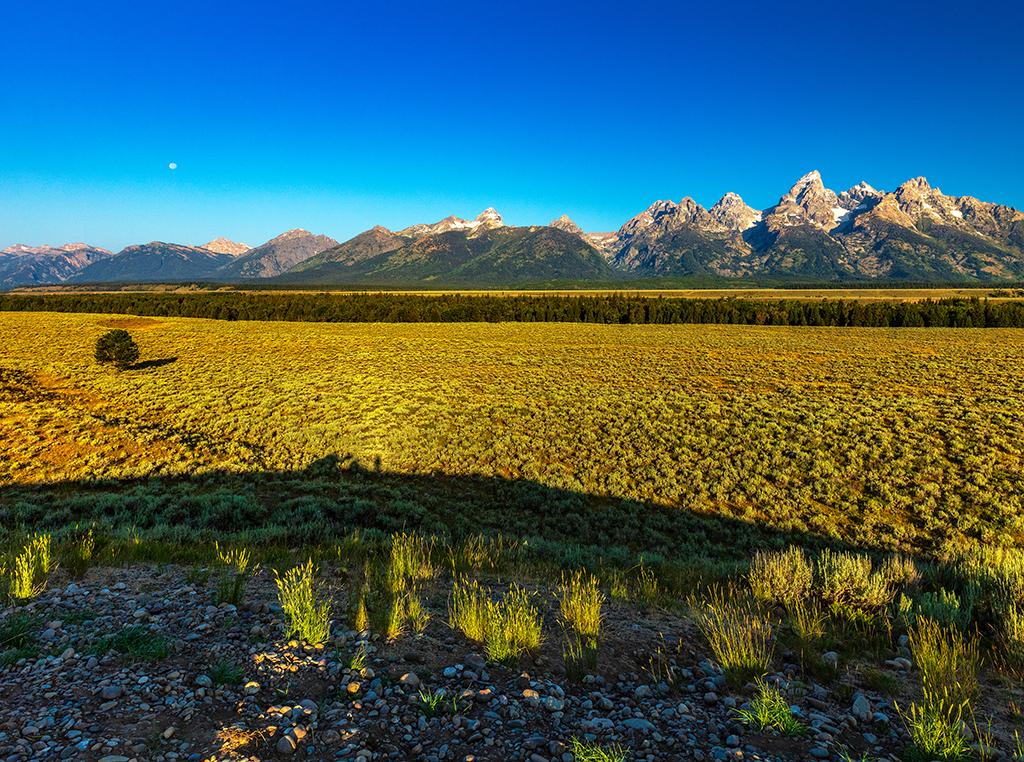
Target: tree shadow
(153,363)
(337,494)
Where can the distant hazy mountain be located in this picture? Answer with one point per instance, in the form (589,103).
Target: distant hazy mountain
(226,246)
(22,265)
(277,255)
(154,262)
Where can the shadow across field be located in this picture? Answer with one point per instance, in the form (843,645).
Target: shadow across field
(334,495)
(153,363)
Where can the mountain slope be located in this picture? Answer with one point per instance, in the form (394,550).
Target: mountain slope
(367,245)
(154,262)
(499,255)
(277,255)
(22,265)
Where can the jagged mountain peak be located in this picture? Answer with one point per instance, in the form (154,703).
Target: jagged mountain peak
(226,246)
(566,223)
(917,184)
(293,233)
(812,178)
(808,202)
(732,213)
(860,197)
(490,214)
(863,187)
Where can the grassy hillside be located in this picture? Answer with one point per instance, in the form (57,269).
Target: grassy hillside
(879,438)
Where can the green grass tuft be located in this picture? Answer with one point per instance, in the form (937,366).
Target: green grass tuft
(307,615)
(769,710)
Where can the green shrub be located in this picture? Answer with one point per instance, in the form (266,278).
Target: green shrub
(117,347)
(900,571)
(307,615)
(846,581)
(739,632)
(943,606)
(784,576)
(578,658)
(949,664)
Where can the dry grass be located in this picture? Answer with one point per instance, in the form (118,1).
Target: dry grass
(792,404)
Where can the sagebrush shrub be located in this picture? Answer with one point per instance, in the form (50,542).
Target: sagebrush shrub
(848,579)
(781,576)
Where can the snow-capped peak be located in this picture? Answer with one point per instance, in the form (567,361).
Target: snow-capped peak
(814,176)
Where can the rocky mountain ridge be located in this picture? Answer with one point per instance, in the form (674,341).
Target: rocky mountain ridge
(913,233)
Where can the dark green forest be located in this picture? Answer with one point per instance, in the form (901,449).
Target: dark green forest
(461,308)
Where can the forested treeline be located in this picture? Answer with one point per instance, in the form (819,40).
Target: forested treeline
(457,308)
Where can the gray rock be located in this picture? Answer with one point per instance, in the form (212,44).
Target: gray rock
(861,708)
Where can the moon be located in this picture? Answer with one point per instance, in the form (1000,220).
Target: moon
(172,165)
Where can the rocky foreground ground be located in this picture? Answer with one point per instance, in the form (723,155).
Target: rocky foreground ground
(138,664)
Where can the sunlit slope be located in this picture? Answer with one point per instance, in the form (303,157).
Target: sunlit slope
(892,435)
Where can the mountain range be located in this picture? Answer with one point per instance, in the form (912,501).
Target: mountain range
(812,234)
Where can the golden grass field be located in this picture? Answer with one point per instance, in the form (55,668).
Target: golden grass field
(891,437)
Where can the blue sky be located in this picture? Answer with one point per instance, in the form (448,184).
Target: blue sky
(334,116)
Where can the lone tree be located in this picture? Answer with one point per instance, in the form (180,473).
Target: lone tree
(117,347)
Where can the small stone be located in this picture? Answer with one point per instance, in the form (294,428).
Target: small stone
(638,723)
(732,741)
(710,698)
(251,688)
(553,704)
(285,745)
(410,679)
(204,681)
(831,658)
(111,692)
(861,708)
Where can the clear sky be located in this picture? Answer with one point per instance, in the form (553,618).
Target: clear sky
(336,116)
